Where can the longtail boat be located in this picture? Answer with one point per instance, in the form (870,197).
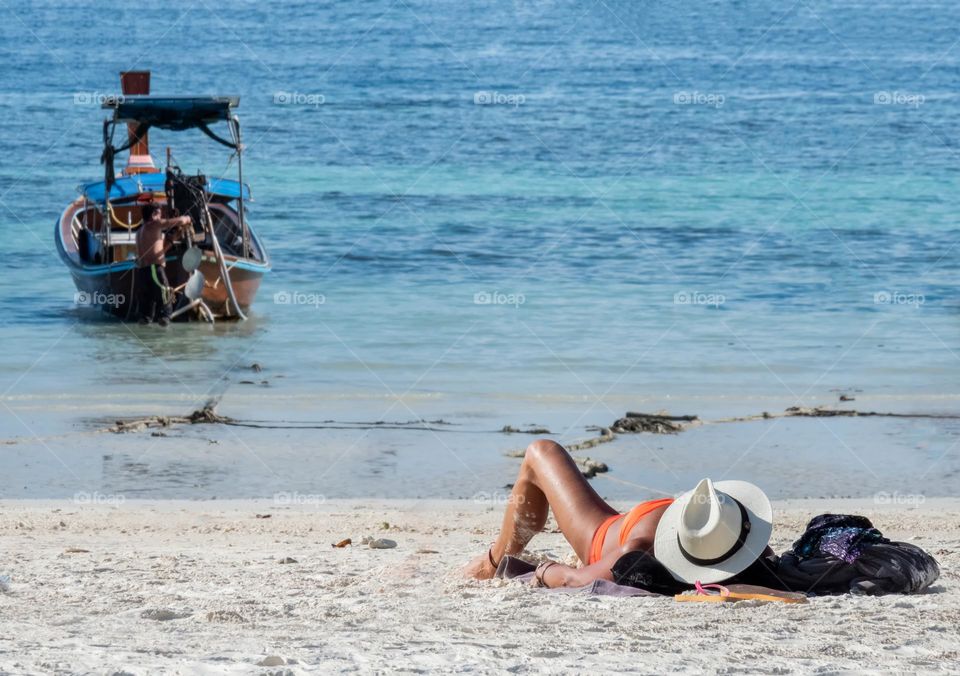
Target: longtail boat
(220,259)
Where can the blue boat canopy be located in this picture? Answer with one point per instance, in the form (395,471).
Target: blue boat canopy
(130,186)
(172,112)
(176,113)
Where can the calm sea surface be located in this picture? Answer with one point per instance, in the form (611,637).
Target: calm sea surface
(515,212)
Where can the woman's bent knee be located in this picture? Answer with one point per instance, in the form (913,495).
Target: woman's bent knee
(543,450)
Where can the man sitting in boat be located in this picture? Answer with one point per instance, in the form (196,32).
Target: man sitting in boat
(154,295)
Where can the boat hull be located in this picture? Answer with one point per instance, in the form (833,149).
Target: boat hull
(112,290)
(115,291)
(112,287)
(245,278)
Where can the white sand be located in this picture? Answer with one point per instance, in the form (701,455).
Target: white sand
(197,587)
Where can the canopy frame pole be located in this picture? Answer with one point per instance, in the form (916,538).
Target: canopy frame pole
(222,265)
(105,225)
(235,127)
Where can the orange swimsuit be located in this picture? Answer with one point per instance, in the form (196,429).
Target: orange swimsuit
(632,519)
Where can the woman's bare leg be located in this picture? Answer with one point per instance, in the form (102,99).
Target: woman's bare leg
(548,479)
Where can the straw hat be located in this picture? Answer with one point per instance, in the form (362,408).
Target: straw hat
(714,531)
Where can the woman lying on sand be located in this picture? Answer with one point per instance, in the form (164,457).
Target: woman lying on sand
(708,534)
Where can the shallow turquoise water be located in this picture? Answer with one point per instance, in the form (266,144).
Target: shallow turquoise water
(715,203)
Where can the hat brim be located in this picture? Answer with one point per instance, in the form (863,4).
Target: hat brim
(666,547)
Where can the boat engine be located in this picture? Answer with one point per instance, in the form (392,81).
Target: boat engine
(187,196)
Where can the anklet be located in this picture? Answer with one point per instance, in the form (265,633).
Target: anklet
(541,571)
(490,558)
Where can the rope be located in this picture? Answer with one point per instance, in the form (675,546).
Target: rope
(118,222)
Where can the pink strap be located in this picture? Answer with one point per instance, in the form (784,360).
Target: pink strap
(702,589)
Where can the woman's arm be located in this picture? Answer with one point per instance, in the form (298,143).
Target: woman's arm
(560,575)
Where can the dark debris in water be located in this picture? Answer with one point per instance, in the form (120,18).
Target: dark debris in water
(510,429)
(655,423)
(590,467)
(662,423)
(208,415)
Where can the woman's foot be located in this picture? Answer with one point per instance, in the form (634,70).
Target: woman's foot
(480,568)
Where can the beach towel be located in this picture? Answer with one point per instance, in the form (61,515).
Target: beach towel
(638,574)
(512,568)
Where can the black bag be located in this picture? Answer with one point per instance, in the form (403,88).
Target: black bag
(877,566)
(882,568)
(861,561)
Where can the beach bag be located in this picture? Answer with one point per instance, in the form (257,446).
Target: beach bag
(841,553)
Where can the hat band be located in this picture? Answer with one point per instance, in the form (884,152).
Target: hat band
(741,539)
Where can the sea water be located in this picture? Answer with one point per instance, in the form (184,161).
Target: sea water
(501,213)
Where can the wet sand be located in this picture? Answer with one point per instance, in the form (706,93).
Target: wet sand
(341,457)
